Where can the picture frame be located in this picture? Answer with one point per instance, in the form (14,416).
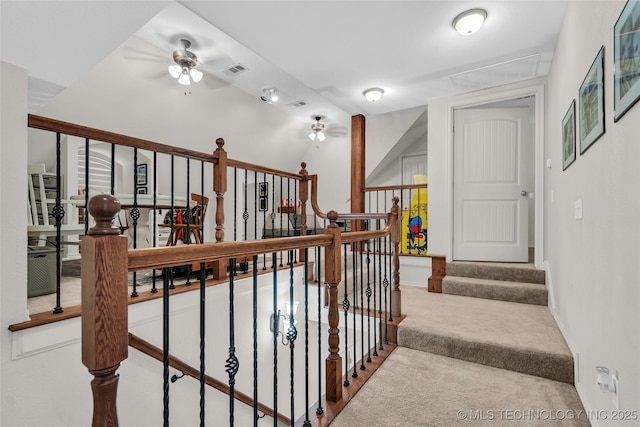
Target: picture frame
(141,174)
(569,136)
(591,105)
(141,190)
(263,189)
(263,204)
(626,59)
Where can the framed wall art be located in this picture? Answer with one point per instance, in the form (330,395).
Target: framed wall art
(569,136)
(263,189)
(263,204)
(591,105)
(141,174)
(626,59)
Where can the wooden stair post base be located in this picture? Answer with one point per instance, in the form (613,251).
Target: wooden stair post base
(438,271)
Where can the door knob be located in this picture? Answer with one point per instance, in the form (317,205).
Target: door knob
(524,193)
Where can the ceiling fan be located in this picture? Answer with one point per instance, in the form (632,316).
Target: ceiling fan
(184,67)
(317,130)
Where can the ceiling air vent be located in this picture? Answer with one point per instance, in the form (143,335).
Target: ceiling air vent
(497,74)
(298,104)
(235,70)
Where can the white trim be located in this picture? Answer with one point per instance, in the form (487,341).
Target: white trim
(534,87)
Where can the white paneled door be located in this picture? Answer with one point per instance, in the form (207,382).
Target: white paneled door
(492,179)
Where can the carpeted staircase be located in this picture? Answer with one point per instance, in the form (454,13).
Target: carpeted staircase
(487,343)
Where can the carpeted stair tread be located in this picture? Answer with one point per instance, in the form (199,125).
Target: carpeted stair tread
(508,335)
(525,293)
(510,272)
(442,391)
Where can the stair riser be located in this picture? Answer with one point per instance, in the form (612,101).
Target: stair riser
(551,366)
(510,294)
(508,274)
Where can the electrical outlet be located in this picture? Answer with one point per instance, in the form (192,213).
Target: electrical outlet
(615,397)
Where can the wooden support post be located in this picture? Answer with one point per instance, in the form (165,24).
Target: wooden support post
(357,169)
(304,196)
(396,301)
(438,271)
(333,278)
(219,268)
(104,307)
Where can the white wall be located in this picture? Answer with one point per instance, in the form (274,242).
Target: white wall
(593,262)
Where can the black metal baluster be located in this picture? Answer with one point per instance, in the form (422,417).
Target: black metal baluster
(319,410)
(292,334)
(273,207)
(390,264)
(295,215)
(235,204)
(380,268)
(255,341)
(307,422)
(281,207)
(113,169)
(58,214)
(362,367)
(354,268)
(173,210)
(385,283)
(232,365)
(375,313)
(165,344)
(135,216)
(255,205)
(154,290)
(202,343)
(264,218)
(368,294)
(188,218)
(402,205)
(86,186)
(245,217)
(276,316)
(345,307)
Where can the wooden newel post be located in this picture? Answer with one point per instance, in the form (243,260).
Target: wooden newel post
(333,278)
(396,301)
(104,307)
(219,268)
(304,196)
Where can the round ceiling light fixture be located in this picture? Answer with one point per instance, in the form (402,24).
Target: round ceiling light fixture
(470,21)
(373,94)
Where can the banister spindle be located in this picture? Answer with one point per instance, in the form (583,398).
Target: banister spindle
(219,269)
(396,303)
(104,307)
(333,373)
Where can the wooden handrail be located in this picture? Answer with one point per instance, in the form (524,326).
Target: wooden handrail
(395,187)
(346,216)
(156,353)
(53,125)
(262,169)
(168,256)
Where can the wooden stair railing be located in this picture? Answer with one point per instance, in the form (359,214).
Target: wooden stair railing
(105,263)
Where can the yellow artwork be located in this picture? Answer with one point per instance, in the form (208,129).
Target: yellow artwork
(414,220)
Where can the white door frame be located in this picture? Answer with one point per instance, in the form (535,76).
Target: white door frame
(536,88)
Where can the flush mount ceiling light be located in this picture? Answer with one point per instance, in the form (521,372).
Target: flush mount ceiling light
(317,130)
(470,21)
(185,61)
(373,94)
(269,95)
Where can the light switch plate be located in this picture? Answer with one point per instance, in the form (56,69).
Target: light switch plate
(577,209)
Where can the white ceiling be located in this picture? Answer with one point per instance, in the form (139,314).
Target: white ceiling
(322,52)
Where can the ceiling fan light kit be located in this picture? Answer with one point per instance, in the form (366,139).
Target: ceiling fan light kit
(185,61)
(317,129)
(469,21)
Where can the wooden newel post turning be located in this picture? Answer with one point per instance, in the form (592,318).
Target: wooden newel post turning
(304,196)
(219,269)
(333,278)
(104,307)
(396,302)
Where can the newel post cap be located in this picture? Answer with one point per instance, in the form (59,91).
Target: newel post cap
(103,207)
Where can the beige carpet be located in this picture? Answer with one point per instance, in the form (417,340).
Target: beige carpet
(417,389)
